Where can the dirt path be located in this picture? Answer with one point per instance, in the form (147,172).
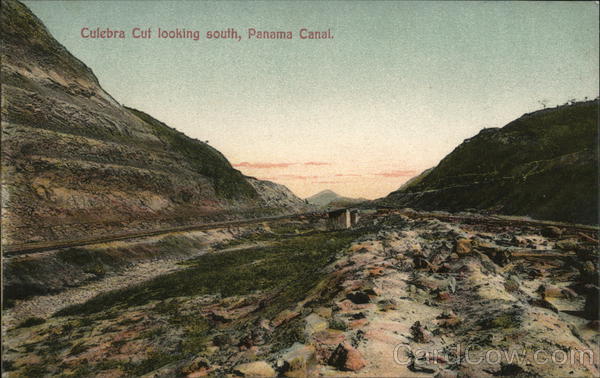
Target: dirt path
(45,306)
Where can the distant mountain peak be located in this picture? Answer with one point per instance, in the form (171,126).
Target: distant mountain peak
(326,191)
(328,197)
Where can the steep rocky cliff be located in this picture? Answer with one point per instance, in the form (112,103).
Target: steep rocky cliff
(77,163)
(276,195)
(543,165)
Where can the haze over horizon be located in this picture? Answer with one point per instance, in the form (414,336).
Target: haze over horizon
(398,88)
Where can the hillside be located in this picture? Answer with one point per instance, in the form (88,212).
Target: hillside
(77,163)
(543,165)
(330,198)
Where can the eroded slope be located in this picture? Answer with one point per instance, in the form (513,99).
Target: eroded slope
(543,165)
(77,163)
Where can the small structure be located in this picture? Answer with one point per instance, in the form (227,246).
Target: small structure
(343,218)
(354,217)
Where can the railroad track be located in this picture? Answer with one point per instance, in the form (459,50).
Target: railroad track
(496,220)
(26,248)
(517,223)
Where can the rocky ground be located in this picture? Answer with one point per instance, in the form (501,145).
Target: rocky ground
(394,297)
(46,305)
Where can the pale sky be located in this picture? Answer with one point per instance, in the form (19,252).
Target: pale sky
(399,86)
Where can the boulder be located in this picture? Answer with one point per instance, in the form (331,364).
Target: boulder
(551,291)
(197,367)
(298,360)
(443,295)
(512,284)
(329,337)
(387,305)
(346,358)
(255,369)
(324,312)
(376,272)
(419,333)
(551,232)
(463,247)
(315,323)
(359,297)
(265,325)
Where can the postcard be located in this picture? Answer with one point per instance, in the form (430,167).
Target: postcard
(278,188)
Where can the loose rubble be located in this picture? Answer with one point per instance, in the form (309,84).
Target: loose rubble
(410,297)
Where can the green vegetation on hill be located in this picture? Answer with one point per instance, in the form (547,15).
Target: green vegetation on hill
(291,267)
(206,160)
(283,274)
(543,165)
